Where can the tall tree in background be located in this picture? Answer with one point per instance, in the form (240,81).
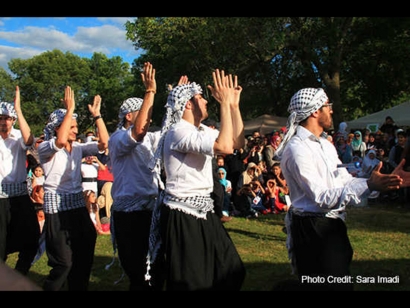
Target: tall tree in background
(114,82)
(42,80)
(361,62)
(275,57)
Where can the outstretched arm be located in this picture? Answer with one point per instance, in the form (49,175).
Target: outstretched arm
(237,122)
(405,175)
(63,131)
(223,92)
(95,110)
(143,119)
(385,182)
(24,127)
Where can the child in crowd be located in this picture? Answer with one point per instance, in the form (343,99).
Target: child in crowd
(94,210)
(35,177)
(243,207)
(37,196)
(275,198)
(257,195)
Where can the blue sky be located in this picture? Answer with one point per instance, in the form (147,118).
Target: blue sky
(26,37)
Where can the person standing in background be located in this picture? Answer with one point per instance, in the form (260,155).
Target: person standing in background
(19,228)
(69,231)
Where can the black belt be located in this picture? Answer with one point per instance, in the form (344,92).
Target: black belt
(89,179)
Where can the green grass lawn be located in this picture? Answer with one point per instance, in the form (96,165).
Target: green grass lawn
(380,236)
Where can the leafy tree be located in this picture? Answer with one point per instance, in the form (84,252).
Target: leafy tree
(275,57)
(7,88)
(112,79)
(42,80)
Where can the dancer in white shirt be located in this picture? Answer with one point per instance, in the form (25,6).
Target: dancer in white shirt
(318,242)
(199,253)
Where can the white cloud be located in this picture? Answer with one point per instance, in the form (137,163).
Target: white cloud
(28,41)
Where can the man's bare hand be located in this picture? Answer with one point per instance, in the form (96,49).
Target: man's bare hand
(148,77)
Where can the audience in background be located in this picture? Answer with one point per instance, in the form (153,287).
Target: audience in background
(357,144)
(94,211)
(227,188)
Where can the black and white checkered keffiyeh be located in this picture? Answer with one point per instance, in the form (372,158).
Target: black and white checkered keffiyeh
(54,120)
(58,202)
(302,104)
(129,105)
(8,109)
(175,106)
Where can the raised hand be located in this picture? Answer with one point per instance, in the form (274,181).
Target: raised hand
(96,106)
(148,77)
(183,80)
(17,104)
(237,92)
(69,101)
(223,89)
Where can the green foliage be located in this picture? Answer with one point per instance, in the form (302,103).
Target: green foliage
(360,61)
(42,80)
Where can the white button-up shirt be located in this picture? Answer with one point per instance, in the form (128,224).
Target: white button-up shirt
(13,157)
(130,159)
(316,184)
(188,153)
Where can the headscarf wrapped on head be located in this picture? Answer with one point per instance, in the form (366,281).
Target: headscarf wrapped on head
(54,120)
(8,109)
(175,106)
(129,105)
(302,104)
(223,180)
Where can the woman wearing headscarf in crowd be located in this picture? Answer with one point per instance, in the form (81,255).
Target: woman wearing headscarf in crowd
(341,132)
(19,229)
(344,150)
(199,253)
(135,187)
(358,146)
(370,161)
(317,239)
(227,185)
(69,231)
(270,150)
(252,173)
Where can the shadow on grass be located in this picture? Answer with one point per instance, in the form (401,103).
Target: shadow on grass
(386,275)
(267,276)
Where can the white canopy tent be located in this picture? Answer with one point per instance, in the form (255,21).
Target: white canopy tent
(265,124)
(399,113)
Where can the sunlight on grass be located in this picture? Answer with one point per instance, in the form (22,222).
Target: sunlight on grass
(379,234)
